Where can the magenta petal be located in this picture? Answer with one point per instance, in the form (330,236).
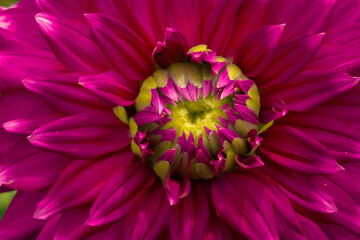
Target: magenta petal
(341,140)
(188,219)
(78,53)
(272,110)
(249,22)
(120,193)
(289,58)
(338,232)
(19,61)
(177,186)
(303,189)
(27,124)
(80,183)
(112,87)
(258,48)
(86,135)
(296,150)
(17,104)
(248,213)
(303,21)
(12,226)
(28,168)
(173,49)
(64,8)
(65,225)
(77,99)
(149,218)
(346,200)
(19,24)
(7,141)
(311,88)
(127,52)
(218,23)
(311,229)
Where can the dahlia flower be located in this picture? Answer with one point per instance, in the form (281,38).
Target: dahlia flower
(180,119)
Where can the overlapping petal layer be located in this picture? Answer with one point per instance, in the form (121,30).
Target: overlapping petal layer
(64,65)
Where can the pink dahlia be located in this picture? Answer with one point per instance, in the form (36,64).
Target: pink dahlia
(180,119)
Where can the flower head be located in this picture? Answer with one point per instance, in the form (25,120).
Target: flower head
(180,119)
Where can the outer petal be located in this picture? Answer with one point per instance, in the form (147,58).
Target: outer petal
(18,24)
(78,53)
(296,150)
(249,213)
(337,232)
(112,87)
(16,104)
(311,229)
(302,189)
(306,17)
(194,217)
(308,89)
(220,24)
(86,135)
(289,58)
(127,52)
(77,99)
(66,225)
(120,193)
(340,50)
(7,140)
(63,8)
(258,49)
(247,22)
(12,226)
(336,135)
(188,218)
(149,218)
(20,61)
(28,168)
(70,190)
(345,108)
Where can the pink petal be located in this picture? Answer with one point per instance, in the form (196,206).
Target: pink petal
(311,228)
(177,187)
(289,58)
(149,218)
(266,14)
(310,18)
(7,140)
(112,87)
(64,8)
(256,51)
(294,149)
(78,53)
(248,213)
(303,189)
(120,193)
(80,183)
(77,99)
(12,101)
(14,227)
(127,52)
(341,140)
(220,24)
(19,61)
(28,168)
(83,135)
(188,219)
(310,88)
(19,25)
(68,224)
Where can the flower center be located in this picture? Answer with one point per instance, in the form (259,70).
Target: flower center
(197,118)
